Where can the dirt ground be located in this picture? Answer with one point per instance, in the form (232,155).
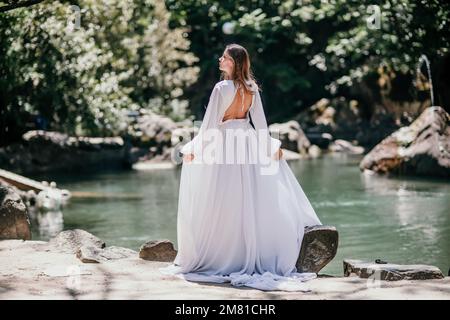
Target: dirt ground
(29,271)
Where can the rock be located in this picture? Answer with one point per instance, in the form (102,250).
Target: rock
(314,151)
(152,137)
(92,254)
(309,118)
(336,117)
(151,130)
(423,148)
(89,254)
(134,154)
(158,250)
(14,220)
(70,241)
(319,246)
(291,136)
(43,209)
(49,151)
(319,139)
(291,155)
(29,197)
(340,145)
(391,272)
(152,165)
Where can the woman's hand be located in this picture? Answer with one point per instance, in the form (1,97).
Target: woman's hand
(188,157)
(279,154)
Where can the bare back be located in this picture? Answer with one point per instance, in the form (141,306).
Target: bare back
(236,109)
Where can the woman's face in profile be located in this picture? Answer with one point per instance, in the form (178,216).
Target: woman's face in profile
(226,64)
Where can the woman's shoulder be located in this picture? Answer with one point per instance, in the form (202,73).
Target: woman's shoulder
(224,84)
(229,84)
(224,87)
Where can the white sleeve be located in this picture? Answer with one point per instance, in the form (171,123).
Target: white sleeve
(260,123)
(210,121)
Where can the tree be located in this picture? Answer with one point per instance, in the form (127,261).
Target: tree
(81,78)
(14,4)
(306,50)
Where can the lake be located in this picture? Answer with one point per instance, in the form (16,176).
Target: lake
(403,220)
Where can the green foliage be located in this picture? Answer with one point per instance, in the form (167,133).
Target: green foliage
(122,57)
(306,50)
(407,30)
(159,55)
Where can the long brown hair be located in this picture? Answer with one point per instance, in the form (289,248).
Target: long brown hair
(242,72)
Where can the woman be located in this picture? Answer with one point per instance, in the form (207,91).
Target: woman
(239,220)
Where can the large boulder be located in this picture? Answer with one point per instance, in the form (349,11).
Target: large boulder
(86,247)
(390,272)
(158,250)
(14,220)
(28,197)
(423,148)
(319,247)
(291,136)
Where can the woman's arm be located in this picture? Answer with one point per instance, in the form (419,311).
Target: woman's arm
(210,121)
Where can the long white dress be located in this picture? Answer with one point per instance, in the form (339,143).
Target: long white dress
(239,221)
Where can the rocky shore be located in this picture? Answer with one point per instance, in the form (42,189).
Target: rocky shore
(420,149)
(52,270)
(151,141)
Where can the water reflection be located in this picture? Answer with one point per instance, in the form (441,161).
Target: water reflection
(409,198)
(417,212)
(49,223)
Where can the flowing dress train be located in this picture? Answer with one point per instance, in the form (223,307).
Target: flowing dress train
(240,221)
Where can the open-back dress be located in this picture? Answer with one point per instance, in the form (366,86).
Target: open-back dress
(241,220)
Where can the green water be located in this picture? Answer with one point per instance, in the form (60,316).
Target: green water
(399,220)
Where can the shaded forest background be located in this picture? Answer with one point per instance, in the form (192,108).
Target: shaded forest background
(81,67)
